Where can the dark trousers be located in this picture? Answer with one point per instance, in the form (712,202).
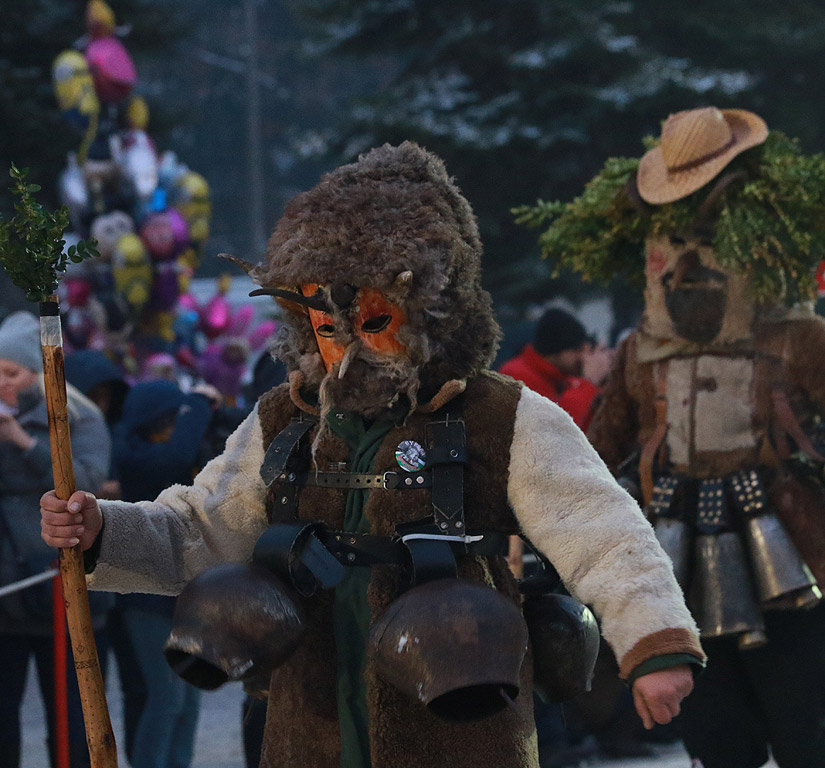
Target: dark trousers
(774,696)
(253,721)
(15,651)
(132,683)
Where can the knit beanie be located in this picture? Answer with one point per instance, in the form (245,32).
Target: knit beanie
(558,331)
(148,401)
(20,340)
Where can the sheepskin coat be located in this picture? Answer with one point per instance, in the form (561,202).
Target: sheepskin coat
(541,475)
(721,415)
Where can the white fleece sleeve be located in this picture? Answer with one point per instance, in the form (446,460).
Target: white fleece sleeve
(593,532)
(158,546)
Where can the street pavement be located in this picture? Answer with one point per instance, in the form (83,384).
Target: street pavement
(218,740)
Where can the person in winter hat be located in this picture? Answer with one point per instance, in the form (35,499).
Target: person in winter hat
(26,627)
(387,339)
(554,364)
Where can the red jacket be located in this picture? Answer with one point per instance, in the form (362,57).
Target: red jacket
(573,393)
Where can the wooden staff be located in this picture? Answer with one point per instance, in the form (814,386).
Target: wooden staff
(99,735)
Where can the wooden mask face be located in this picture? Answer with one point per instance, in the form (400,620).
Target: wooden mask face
(375,321)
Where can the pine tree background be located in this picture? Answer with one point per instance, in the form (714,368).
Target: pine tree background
(523,99)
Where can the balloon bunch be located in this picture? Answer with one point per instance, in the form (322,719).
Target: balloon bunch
(221,340)
(149,213)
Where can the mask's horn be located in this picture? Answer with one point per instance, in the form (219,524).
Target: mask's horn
(401,286)
(312,302)
(244,265)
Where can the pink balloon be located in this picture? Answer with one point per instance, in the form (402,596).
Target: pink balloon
(261,334)
(187,301)
(79,291)
(180,230)
(164,234)
(240,321)
(215,316)
(112,69)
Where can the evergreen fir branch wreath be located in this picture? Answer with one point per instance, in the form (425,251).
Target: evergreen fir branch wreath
(32,244)
(770,225)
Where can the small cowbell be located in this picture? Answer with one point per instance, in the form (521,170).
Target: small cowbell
(675,538)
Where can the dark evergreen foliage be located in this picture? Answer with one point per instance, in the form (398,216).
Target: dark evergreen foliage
(32,245)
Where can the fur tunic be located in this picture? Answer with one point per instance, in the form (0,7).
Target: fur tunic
(530,466)
(403,734)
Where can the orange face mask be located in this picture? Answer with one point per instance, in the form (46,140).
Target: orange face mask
(376,322)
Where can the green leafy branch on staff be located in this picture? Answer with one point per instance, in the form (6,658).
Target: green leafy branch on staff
(32,245)
(770,226)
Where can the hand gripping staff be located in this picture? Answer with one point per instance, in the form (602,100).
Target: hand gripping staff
(31,252)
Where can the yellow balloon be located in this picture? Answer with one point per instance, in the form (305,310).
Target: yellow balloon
(100,19)
(137,113)
(132,271)
(192,200)
(73,85)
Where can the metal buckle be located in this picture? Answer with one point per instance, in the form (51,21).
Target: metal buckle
(387,475)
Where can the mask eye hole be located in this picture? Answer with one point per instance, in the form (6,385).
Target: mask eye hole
(327,330)
(376,324)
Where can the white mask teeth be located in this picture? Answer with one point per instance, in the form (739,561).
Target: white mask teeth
(349,355)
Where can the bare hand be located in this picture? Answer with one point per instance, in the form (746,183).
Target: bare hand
(12,432)
(67,523)
(657,695)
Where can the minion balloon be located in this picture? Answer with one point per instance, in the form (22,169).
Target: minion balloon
(132,271)
(75,90)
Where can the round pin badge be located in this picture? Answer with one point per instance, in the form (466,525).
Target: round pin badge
(410,456)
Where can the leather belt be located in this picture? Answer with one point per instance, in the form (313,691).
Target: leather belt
(386,480)
(367,549)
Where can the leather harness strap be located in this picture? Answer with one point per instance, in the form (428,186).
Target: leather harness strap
(788,425)
(653,443)
(282,448)
(311,555)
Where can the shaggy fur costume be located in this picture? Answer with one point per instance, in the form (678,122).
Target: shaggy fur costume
(403,734)
(395,212)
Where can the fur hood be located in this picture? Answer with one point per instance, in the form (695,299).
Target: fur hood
(395,210)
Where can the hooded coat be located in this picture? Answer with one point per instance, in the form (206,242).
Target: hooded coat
(25,477)
(395,221)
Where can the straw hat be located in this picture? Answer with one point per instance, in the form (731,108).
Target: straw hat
(696,145)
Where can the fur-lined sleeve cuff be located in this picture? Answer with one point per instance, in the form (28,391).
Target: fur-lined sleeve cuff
(662,643)
(573,511)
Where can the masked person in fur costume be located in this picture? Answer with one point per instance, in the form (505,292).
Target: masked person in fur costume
(716,402)
(391,463)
